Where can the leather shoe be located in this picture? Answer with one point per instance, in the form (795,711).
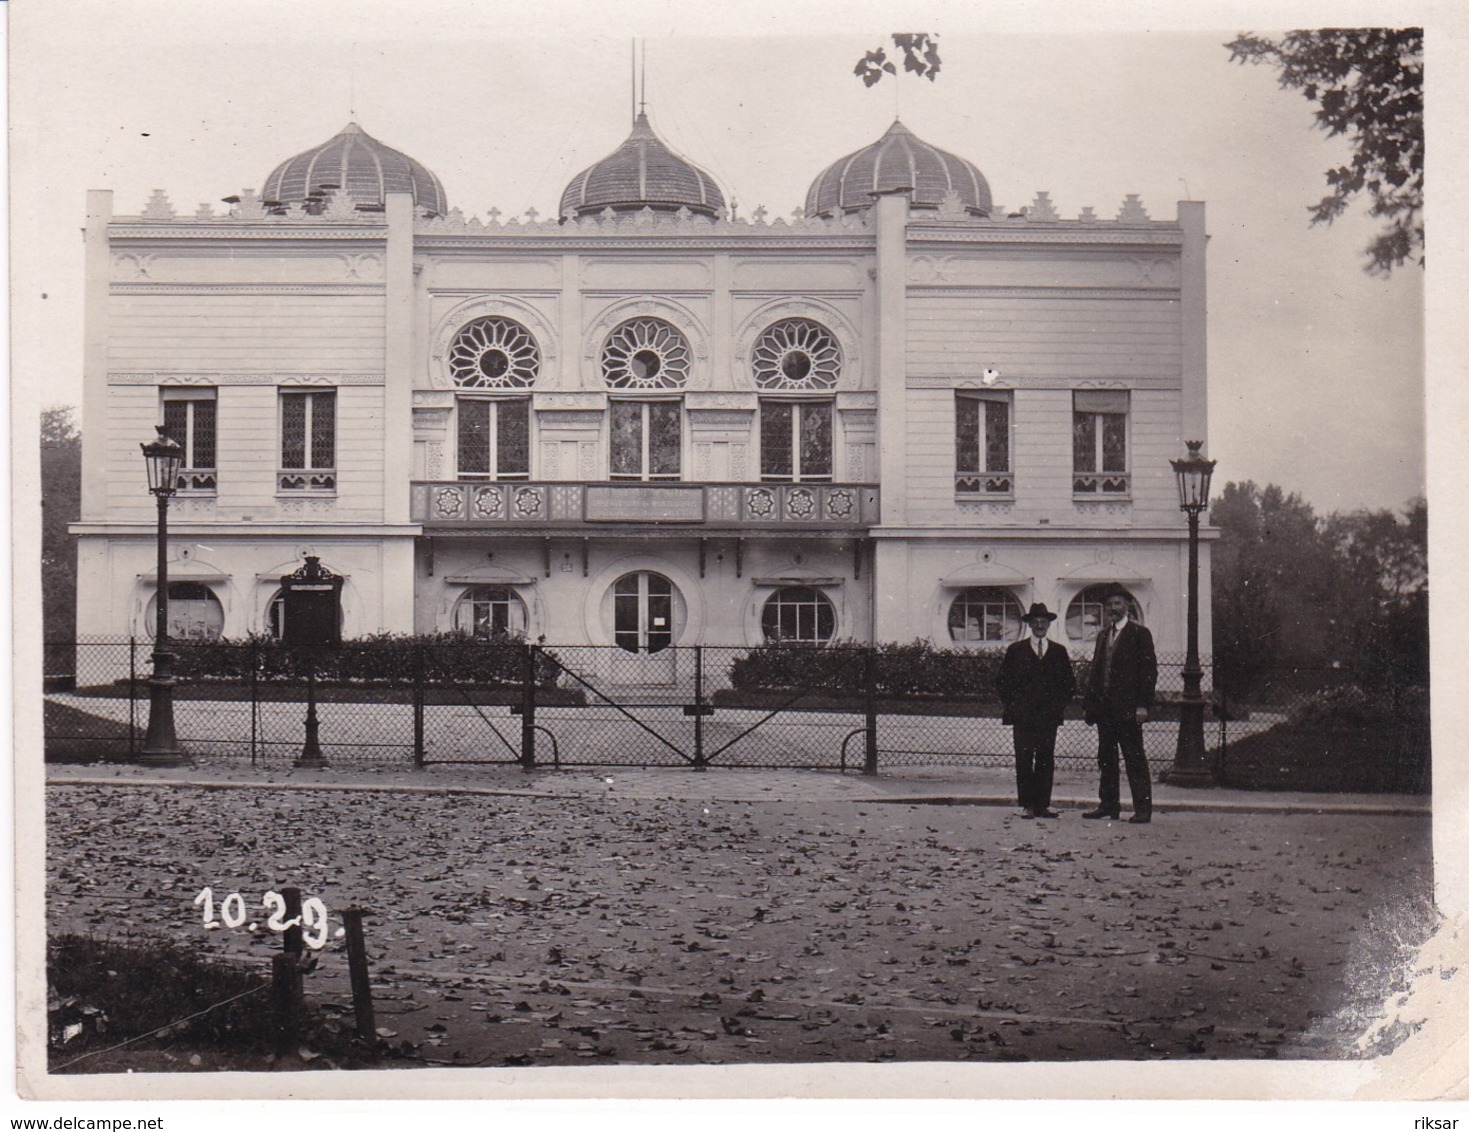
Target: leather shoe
(1027,812)
(1110,815)
(1047,814)
(1140,819)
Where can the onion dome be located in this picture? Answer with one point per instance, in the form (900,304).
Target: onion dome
(357,162)
(900,159)
(642,173)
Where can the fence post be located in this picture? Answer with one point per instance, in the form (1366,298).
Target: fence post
(700,762)
(869,705)
(132,698)
(528,709)
(357,969)
(286,974)
(254,698)
(418,685)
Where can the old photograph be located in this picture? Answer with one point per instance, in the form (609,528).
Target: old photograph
(596,551)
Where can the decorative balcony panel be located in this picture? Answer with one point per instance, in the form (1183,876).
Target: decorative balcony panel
(1104,483)
(744,506)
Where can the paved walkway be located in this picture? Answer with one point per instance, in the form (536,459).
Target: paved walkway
(979,786)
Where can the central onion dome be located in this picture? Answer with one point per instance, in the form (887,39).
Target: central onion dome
(642,173)
(900,159)
(357,162)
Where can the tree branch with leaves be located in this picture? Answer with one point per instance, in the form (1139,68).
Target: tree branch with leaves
(920,52)
(1367,84)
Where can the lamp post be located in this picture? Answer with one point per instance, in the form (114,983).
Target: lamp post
(164,458)
(1190,762)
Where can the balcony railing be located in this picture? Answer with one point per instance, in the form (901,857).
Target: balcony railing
(746,506)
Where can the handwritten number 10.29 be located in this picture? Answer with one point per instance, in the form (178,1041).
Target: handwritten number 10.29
(314,920)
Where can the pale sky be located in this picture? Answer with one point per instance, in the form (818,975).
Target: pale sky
(1315,368)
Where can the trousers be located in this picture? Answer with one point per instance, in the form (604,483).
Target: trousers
(1128,738)
(1035,765)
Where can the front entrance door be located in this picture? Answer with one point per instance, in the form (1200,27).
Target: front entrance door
(643,629)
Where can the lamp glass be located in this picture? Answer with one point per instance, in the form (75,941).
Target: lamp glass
(165,458)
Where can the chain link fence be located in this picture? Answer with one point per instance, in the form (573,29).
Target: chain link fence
(457,700)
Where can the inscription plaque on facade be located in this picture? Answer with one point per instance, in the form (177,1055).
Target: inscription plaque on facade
(648,504)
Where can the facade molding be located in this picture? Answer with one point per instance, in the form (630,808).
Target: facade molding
(166,378)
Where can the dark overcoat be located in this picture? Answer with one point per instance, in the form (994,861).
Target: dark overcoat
(1134,679)
(1035,690)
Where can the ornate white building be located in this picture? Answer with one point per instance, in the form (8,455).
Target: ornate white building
(906,413)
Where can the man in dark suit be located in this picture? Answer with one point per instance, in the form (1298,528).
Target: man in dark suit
(1119,694)
(1035,685)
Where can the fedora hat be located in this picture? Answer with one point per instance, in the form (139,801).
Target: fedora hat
(1038,609)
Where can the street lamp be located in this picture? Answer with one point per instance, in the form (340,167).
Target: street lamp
(164,458)
(1190,763)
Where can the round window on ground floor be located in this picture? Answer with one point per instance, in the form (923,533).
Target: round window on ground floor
(490,611)
(984,615)
(1087,612)
(194,613)
(799,613)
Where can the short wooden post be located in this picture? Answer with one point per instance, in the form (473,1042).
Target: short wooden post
(285,969)
(293,940)
(361,983)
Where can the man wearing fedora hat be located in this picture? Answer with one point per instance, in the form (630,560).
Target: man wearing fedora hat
(1035,685)
(1120,690)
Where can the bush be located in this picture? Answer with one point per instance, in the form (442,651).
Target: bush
(381,660)
(916,670)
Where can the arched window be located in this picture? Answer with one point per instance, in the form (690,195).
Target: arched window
(799,613)
(796,354)
(494,353)
(1088,612)
(194,613)
(984,615)
(645,353)
(490,611)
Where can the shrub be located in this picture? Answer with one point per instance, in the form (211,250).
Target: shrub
(899,670)
(383,659)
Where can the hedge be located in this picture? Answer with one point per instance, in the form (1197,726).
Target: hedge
(381,660)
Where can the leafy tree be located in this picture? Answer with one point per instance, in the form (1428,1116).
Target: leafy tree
(1367,83)
(61,503)
(920,53)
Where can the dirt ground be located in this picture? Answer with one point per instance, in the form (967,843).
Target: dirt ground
(598,928)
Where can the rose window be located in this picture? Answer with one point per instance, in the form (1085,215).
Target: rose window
(494,353)
(797,354)
(646,353)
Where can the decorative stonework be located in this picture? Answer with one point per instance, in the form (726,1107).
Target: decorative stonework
(435,459)
(488,306)
(364,266)
(1042,211)
(739,459)
(857,462)
(566,402)
(641,222)
(164,378)
(158,207)
(645,353)
(1132,211)
(762,320)
(131,265)
(430,421)
(1111,507)
(695,337)
(551,459)
(701,462)
(985,510)
(1155,269)
(951,208)
(588,461)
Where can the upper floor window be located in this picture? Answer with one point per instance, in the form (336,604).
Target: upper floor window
(190,418)
(795,441)
(494,353)
(1099,441)
(494,438)
(308,440)
(984,614)
(982,444)
(646,353)
(797,354)
(645,439)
